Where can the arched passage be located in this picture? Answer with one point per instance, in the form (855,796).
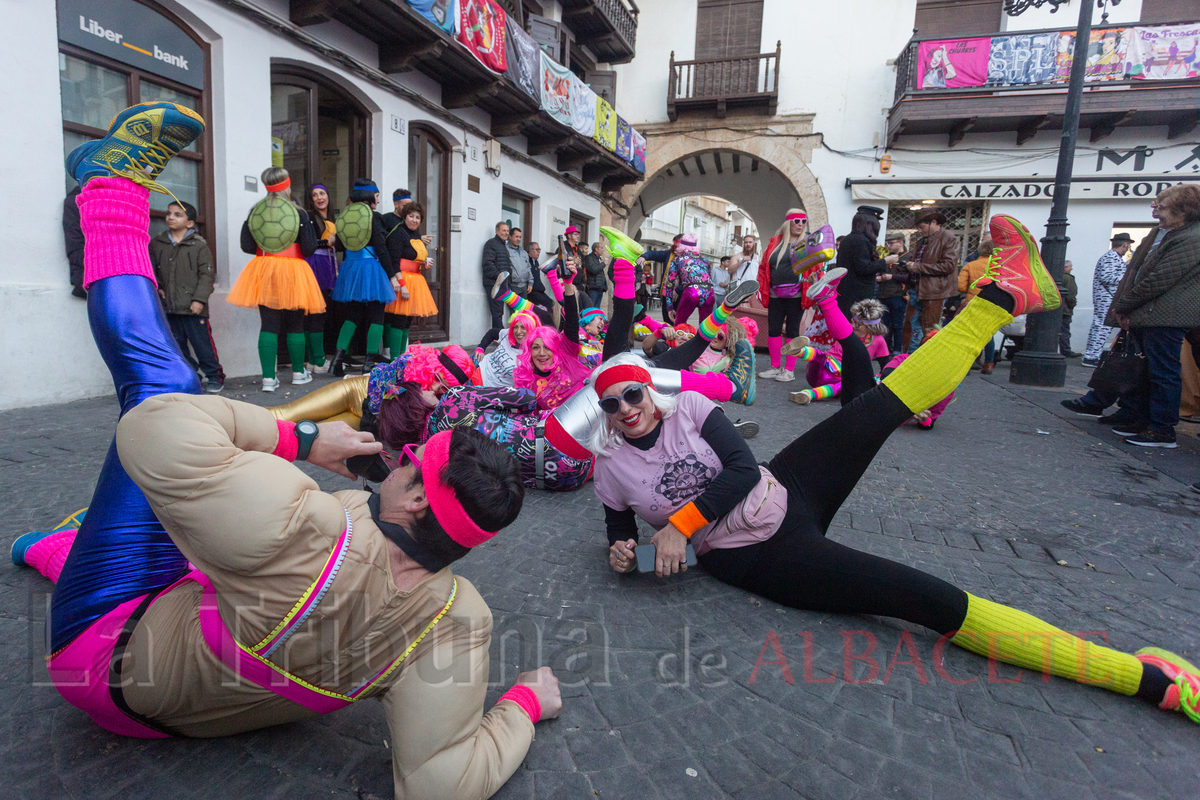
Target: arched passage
(764,175)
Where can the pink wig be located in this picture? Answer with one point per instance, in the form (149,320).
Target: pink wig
(751,328)
(423,368)
(526,319)
(568,372)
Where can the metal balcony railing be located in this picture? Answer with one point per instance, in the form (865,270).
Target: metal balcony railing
(610,25)
(739,80)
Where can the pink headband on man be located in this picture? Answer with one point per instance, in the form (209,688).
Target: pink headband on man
(442,500)
(797,215)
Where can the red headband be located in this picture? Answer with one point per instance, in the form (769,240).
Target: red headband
(620,374)
(442,501)
(797,215)
(279,187)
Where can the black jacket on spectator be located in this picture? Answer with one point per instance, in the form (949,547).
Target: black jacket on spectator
(73,239)
(593,265)
(858,257)
(495,260)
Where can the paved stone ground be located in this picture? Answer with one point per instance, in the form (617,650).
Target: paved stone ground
(1009,496)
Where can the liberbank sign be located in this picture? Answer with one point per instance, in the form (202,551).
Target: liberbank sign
(1107,187)
(134,34)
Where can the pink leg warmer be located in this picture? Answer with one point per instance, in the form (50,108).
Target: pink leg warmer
(790,363)
(774,347)
(624,284)
(839,326)
(49,555)
(556,285)
(114,214)
(713,385)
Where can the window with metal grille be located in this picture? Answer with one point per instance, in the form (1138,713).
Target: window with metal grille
(964,220)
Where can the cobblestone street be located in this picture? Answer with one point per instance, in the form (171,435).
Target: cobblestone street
(689,688)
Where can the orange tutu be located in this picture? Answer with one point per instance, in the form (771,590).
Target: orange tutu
(280,282)
(420,301)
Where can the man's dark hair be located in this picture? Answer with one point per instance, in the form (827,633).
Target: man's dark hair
(188,208)
(513,230)
(726,258)
(358,195)
(485,480)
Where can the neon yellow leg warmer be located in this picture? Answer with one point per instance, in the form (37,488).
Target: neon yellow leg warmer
(1014,637)
(939,365)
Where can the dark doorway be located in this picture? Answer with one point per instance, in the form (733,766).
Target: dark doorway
(429,179)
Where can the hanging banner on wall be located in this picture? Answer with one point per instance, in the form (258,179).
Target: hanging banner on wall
(133,34)
(1106,55)
(439,12)
(948,63)
(523,61)
(1027,58)
(624,139)
(639,150)
(1166,53)
(556,83)
(606,124)
(583,108)
(481,29)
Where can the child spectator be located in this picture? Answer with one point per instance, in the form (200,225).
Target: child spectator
(184,268)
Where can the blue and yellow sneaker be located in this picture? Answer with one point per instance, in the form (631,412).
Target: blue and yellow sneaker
(21,546)
(139,143)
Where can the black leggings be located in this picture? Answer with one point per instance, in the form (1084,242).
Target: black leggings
(363,314)
(279,321)
(314,323)
(616,341)
(798,566)
(781,308)
(399,321)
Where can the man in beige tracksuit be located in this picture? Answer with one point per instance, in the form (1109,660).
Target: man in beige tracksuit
(261,529)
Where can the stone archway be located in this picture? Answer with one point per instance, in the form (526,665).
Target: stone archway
(761,168)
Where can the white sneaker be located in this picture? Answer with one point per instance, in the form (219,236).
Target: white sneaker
(270,384)
(785,376)
(774,372)
(299,378)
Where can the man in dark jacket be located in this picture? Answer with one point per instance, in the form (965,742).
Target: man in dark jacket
(857,255)
(495,260)
(935,263)
(73,239)
(1070,296)
(595,283)
(183,266)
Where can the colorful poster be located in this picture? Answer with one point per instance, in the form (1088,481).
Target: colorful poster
(1106,55)
(639,150)
(439,12)
(556,83)
(583,108)
(624,139)
(947,63)
(1165,53)
(606,124)
(482,30)
(1026,58)
(523,61)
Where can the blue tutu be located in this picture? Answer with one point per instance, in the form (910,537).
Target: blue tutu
(361,279)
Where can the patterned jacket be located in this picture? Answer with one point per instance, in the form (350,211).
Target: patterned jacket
(1109,271)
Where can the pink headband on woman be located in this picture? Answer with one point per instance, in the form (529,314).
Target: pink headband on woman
(797,215)
(442,500)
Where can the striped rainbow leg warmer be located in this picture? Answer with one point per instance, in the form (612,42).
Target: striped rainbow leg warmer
(711,325)
(515,301)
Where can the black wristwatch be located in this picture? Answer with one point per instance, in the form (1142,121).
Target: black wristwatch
(306,433)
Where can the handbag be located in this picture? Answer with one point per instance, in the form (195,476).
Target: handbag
(1122,369)
(755,519)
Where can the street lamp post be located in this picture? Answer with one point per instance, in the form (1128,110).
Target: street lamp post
(1039,363)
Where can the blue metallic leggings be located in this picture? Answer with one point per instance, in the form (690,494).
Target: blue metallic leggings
(121,551)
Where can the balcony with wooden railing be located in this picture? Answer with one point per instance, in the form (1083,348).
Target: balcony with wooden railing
(607,27)
(1029,103)
(745,83)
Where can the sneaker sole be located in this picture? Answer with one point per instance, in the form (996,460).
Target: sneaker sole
(748,430)
(785,379)
(1092,414)
(1164,445)
(503,276)
(794,346)
(740,294)
(829,277)
(799,398)
(1126,434)
(1051,299)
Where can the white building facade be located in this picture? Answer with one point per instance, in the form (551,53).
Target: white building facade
(828,124)
(327,96)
